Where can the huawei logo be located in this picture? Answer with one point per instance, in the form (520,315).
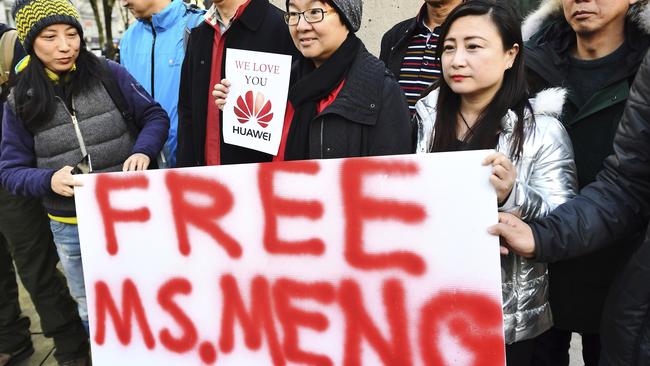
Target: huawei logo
(254,107)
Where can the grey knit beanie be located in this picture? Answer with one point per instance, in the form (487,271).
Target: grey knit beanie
(349,10)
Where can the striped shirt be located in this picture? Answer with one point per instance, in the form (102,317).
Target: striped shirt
(420,66)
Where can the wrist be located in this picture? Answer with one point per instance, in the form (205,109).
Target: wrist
(507,197)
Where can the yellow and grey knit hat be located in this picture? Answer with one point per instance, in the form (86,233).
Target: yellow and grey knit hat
(33,15)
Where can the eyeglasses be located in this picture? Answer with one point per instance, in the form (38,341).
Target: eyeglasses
(314,15)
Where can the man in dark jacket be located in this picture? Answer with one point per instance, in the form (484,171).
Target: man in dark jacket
(26,240)
(253,25)
(409,48)
(594,50)
(605,212)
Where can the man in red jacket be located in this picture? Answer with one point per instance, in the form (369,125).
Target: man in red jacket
(253,25)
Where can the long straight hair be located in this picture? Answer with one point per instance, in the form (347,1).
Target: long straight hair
(34,91)
(512,95)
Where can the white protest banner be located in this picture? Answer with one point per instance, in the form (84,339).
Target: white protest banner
(254,112)
(368,261)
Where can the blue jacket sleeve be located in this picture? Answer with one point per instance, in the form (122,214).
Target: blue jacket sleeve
(18,160)
(124,45)
(151,119)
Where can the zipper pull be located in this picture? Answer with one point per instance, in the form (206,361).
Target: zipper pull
(73,113)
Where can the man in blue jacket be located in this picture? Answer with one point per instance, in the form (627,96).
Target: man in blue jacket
(152,50)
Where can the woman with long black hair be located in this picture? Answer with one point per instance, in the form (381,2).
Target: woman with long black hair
(482,103)
(61,116)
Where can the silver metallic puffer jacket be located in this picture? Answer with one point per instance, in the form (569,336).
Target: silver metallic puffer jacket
(546,178)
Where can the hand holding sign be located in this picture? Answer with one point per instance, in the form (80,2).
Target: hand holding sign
(504,174)
(136,162)
(63,182)
(515,234)
(220,93)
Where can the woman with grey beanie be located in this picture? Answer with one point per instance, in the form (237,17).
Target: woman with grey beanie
(342,100)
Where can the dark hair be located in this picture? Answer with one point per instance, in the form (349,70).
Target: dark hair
(513,93)
(34,92)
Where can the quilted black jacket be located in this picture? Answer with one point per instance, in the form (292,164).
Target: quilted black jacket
(369,117)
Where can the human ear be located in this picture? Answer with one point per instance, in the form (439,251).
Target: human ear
(511,55)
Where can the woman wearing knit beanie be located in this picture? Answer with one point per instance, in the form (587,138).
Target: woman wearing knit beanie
(60,119)
(342,100)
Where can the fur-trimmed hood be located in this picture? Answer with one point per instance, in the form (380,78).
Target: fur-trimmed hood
(639,14)
(547,103)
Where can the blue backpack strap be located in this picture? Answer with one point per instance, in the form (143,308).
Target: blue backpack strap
(114,91)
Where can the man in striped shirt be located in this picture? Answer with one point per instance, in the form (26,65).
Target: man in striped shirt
(409,48)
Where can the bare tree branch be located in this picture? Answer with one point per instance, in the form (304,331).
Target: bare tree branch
(98,21)
(108,23)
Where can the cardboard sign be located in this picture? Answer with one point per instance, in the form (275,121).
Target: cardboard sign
(372,261)
(254,112)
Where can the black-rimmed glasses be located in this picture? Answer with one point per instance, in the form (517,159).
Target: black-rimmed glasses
(314,15)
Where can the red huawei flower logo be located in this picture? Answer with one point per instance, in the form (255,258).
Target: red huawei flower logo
(253,107)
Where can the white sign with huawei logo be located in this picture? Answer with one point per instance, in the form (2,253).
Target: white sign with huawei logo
(253,116)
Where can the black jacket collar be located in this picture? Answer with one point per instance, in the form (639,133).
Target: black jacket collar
(413,26)
(548,52)
(253,15)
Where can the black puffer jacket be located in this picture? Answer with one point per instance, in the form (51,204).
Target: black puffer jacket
(578,287)
(369,116)
(617,203)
